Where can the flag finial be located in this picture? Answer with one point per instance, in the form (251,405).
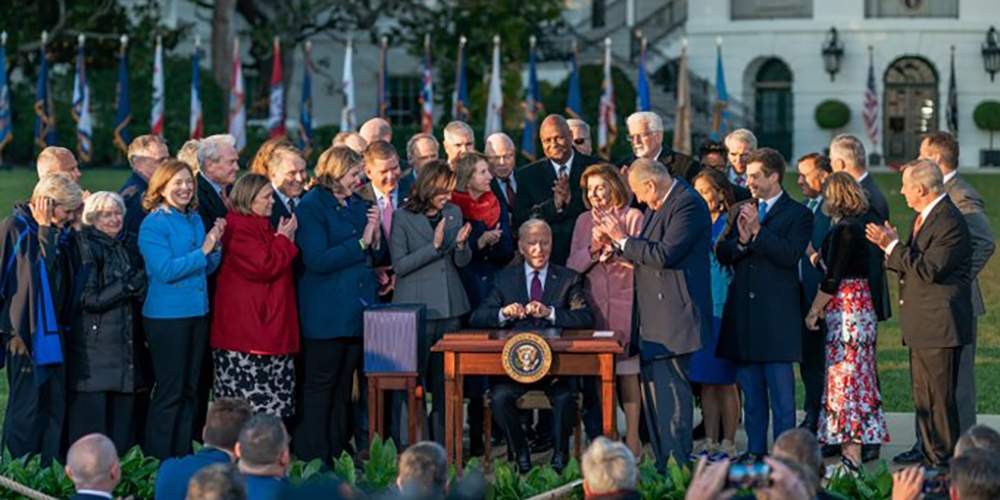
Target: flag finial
(350,43)
(718,41)
(385,41)
(124,40)
(197,42)
(45,37)
(309,45)
(532,40)
(79,39)
(3,38)
(427,41)
(607,42)
(684,43)
(159,40)
(496,39)
(462,40)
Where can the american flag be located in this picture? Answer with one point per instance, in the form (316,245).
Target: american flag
(427,90)
(871,103)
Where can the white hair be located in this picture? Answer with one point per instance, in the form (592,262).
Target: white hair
(608,466)
(99,202)
(498,136)
(850,149)
(573,122)
(648,117)
(530,224)
(927,174)
(744,136)
(208,149)
(457,127)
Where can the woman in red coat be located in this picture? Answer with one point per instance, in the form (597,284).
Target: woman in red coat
(255,323)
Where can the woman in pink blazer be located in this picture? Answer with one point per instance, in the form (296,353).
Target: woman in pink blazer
(608,278)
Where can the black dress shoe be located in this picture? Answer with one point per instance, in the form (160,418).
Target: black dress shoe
(870,452)
(523,463)
(909,457)
(541,445)
(558,462)
(831,450)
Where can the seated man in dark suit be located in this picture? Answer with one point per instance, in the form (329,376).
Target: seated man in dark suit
(92,465)
(537,294)
(226,418)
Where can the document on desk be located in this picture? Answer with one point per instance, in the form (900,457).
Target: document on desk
(604,333)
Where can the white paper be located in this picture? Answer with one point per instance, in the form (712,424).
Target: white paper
(604,333)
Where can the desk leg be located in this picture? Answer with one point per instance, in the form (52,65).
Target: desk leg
(607,364)
(459,421)
(449,405)
(373,407)
(411,405)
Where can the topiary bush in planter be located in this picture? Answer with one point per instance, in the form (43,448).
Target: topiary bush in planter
(832,114)
(987,117)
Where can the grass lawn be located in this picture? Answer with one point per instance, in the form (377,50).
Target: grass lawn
(16,185)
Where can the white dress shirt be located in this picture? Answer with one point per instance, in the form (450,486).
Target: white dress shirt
(949,176)
(923,216)
(529,274)
(285,199)
(568,164)
(380,198)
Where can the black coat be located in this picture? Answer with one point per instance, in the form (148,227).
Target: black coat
(279,210)
(762,320)
(132,193)
(535,200)
(563,290)
(105,348)
(810,275)
(210,204)
(679,164)
(878,213)
(935,276)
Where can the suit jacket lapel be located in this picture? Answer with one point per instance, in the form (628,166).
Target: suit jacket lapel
(211,196)
(777,206)
(552,280)
(935,212)
(521,283)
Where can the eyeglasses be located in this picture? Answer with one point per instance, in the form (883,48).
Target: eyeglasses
(640,136)
(580,141)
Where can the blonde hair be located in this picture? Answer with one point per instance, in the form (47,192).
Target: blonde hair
(333,165)
(99,202)
(843,196)
(154,193)
(189,154)
(608,466)
(61,189)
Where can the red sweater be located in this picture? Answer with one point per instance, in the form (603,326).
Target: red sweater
(254,309)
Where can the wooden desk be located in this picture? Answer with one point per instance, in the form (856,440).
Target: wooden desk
(477,352)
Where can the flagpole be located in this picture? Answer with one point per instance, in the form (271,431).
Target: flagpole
(427,90)
(195,122)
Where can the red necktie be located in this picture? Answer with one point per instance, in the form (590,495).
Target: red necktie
(918,224)
(510,191)
(536,287)
(225,197)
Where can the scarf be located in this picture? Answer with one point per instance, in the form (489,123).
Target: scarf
(486,209)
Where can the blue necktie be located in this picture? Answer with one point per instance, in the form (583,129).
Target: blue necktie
(761,211)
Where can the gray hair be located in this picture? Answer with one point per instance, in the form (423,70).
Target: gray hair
(608,466)
(262,440)
(573,122)
(221,481)
(458,127)
(850,149)
(411,145)
(208,149)
(61,189)
(50,160)
(423,470)
(99,202)
(744,136)
(141,145)
(189,154)
(530,224)
(927,174)
(644,169)
(650,118)
(90,460)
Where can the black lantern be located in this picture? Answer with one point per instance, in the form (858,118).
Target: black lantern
(991,53)
(833,52)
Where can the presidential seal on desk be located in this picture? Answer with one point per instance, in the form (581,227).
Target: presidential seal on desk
(527,358)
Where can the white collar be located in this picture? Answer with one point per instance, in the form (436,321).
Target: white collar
(568,164)
(927,210)
(673,184)
(770,202)
(95,493)
(281,196)
(863,177)
(658,153)
(379,195)
(542,273)
(950,175)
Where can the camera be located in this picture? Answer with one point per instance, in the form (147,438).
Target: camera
(749,476)
(936,482)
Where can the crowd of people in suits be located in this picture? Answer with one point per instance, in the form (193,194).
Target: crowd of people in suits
(122,312)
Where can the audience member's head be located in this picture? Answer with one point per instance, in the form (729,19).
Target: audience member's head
(189,154)
(645,133)
(607,467)
(172,185)
(501,154)
(420,149)
(765,169)
(92,463)
(283,165)
(649,181)
(423,471)
(843,196)
(263,447)
(57,160)
(226,417)
(800,446)
(105,210)
(252,195)
(581,136)
(847,154)
(217,482)
(352,140)
(60,196)
(218,159)
(975,475)
(922,183)
(376,129)
(813,169)
(713,154)
(714,187)
(433,188)
(338,170)
(556,139)
(604,188)
(534,241)
(382,166)
(978,436)
(808,478)
(941,147)
(146,153)
(739,144)
(458,138)
(472,173)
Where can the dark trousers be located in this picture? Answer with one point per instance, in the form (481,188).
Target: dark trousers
(110,413)
(562,396)
(324,408)
(669,408)
(176,347)
(769,390)
(433,378)
(593,419)
(935,376)
(205,382)
(965,394)
(35,414)
(813,369)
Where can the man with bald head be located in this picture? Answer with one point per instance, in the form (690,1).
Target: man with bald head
(352,140)
(550,187)
(92,465)
(421,149)
(57,160)
(500,154)
(376,129)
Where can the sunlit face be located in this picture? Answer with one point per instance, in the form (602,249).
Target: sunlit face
(109,220)
(351,179)
(599,192)
(536,246)
(500,154)
(290,176)
(263,203)
(645,141)
(761,185)
(713,197)
(384,174)
(145,164)
(179,191)
(556,140)
(581,140)
(738,152)
(456,143)
(64,216)
(223,171)
(912,192)
(810,179)
(479,183)
(438,201)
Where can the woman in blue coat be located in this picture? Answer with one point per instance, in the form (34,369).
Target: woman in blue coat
(337,237)
(179,256)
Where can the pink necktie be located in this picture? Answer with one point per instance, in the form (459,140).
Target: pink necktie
(387,215)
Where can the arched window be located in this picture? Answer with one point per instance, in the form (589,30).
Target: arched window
(911,107)
(773,106)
